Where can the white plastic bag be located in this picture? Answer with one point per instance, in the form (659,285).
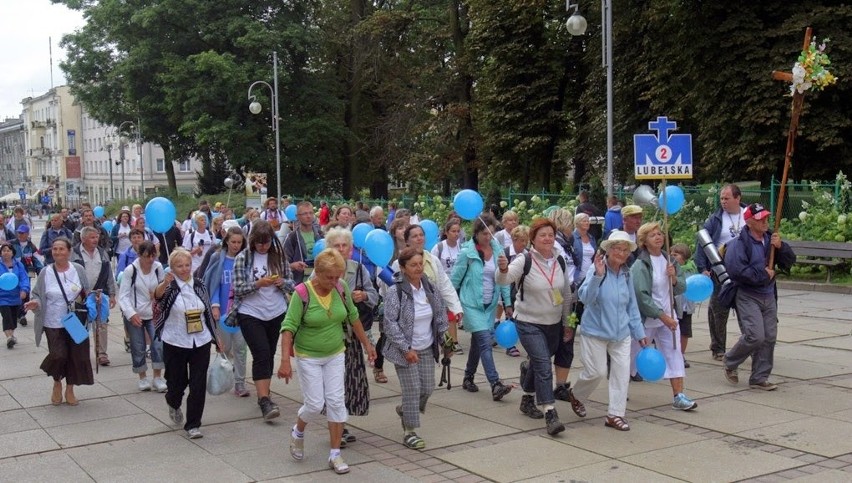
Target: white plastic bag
(220,375)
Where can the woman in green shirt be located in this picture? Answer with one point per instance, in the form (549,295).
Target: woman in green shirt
(317,328)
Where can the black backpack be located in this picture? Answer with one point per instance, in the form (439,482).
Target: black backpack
(528,266)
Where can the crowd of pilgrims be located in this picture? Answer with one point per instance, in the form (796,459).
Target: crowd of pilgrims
(253,284)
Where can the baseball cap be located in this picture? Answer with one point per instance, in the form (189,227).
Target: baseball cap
(23,229)
(227,224)
(631,210)
(756,211)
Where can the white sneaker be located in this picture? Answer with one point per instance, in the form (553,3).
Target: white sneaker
(144,384)
(160,384)
(194,433)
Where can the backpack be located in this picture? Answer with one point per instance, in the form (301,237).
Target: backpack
(154,305)
(304,294)
(528,266)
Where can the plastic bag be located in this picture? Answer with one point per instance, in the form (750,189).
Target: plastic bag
(220,376)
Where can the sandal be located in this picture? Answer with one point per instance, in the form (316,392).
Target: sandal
(513,351)
(576,406)
(616,422)
(379,376)
(413,441)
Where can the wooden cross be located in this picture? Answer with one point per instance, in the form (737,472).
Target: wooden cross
(798,102)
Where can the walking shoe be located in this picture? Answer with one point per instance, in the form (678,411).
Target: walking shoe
(349,437)
(732,376)
(765,386)
(561,391)
(683,403)
(194,433)
(554,425)
(240,390)
(144,384)
(529,408)
(686,364)
(268,408)
(176,414)
(297,447)
(468,385)
(22,320)
(160,384)
(498,390)
(718,356)
(10,342)
(338,465)
(576,406)
(636,378)
(457,348)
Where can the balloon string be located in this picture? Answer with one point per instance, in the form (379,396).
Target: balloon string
(486,226)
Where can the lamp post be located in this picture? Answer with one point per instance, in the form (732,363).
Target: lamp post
(109,141)
(121,143)
(577,26)
(255,107)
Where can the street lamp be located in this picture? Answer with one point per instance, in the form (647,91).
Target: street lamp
(121,143)
(577,26)
(109,140)
(255,108)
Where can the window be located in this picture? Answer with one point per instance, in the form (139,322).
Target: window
(183,167)
(161,165)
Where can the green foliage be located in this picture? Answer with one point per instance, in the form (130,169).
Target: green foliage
(828,218)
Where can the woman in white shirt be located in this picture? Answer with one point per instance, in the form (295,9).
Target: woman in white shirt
(447,250)
(58,287)
(185,326)
(135,297)
(198,241)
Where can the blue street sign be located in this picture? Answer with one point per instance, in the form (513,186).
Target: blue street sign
(22,194)
(662,155)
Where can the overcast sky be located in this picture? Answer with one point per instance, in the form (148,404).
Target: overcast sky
(25,26)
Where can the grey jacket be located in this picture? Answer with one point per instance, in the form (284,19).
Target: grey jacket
(38,295)
(399,319)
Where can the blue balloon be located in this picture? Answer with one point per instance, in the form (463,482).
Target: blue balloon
(651,364)
(160,214)
(699,288)
(290,212)
(359,234)
(468,204)
(107,225)
(227,328)
(506,334)
(431,232)
(674,199)
(319,246)
(8,281)
(98,211)
(379,247)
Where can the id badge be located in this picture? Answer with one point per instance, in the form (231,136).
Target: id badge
(193,321)
(556,297)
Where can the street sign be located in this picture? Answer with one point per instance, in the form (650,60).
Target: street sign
(22,194)
(51,191)
(662,155)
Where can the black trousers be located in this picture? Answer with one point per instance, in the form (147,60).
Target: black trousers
(262,340)
(187,367)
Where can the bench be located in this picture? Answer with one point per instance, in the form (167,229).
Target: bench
(826,254)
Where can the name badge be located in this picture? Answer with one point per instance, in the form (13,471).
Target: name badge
(556,297)
(193,321)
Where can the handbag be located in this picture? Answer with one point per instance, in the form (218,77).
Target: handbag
(356,389)
(728,295)
(71,321)
(366,313)
(220,375)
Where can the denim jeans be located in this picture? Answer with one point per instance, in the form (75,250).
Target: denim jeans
(137,346)
(540,342)
(480,348)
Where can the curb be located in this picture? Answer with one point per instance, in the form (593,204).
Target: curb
(815,287)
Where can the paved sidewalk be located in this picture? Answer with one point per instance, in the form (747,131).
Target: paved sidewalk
(799,432)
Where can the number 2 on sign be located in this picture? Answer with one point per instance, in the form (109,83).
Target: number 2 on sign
(663,153)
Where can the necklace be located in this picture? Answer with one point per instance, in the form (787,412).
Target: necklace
(735,226)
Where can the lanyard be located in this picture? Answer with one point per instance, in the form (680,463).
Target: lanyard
(552,271)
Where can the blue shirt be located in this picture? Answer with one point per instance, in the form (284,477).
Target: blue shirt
(224,291)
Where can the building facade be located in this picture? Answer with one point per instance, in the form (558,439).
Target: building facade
(13,161)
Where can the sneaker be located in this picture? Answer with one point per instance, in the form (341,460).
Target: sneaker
(718,356)
(683,403)
(457,348)
(144,384)
(561,391)
(529,408)
(10,342)
(160,384)
(176,414)
(240,390)
(498,390)
(194,433)
(554,425)
(686,364)
(636,378)
(338,465)
(343,442)
(22,321)
(268,408)
(349,437)
(297,447)
(765,386)
(732,376)
(469,386)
